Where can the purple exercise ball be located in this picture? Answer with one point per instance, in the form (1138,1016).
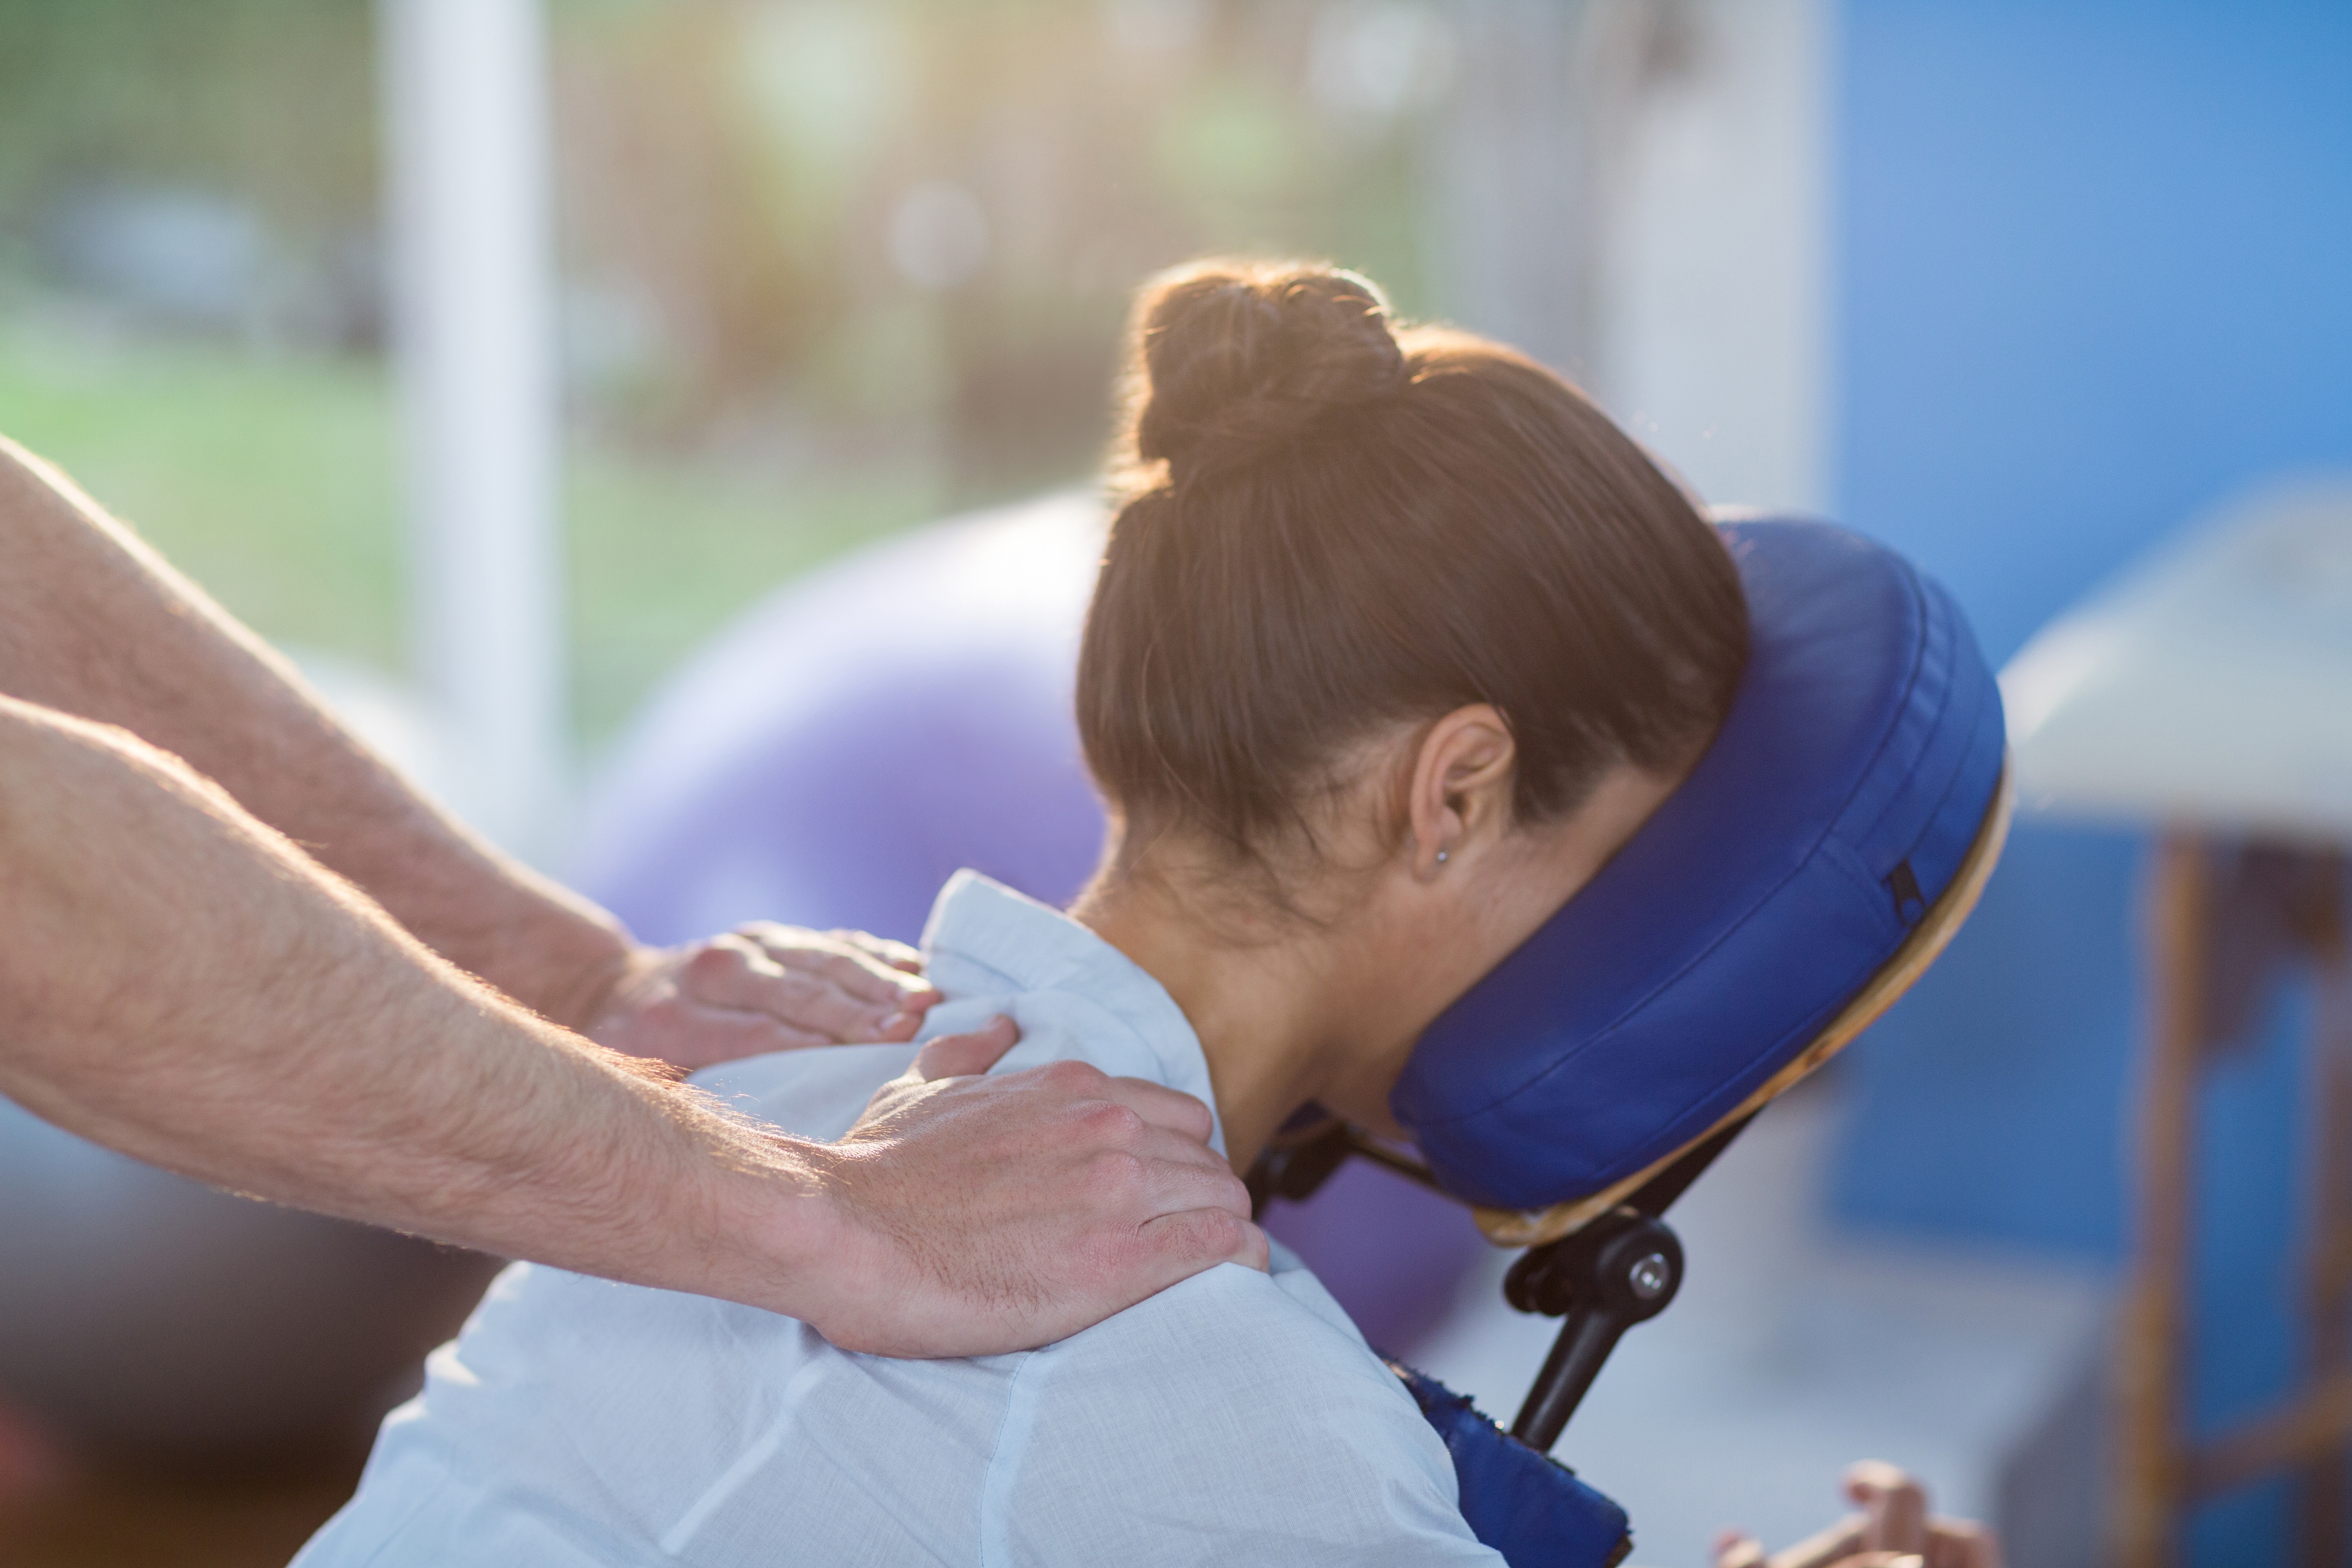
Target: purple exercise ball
(833,757)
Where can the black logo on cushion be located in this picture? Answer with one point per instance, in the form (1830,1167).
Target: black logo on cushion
(1910,904)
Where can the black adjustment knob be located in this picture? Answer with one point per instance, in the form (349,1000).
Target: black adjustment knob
(1626,1262)
(1622,1269)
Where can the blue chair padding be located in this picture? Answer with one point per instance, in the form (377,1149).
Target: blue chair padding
(1526,1505)
(1866,737)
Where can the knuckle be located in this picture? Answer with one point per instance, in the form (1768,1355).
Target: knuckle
(1116,1170)
(1210,1233)
(1072,1076)
(715,959)
(1221,1230)
(1113,1123)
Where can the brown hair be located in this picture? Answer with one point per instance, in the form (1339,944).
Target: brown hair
(1326,525)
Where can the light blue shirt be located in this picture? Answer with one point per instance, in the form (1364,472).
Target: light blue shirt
(1236,1418)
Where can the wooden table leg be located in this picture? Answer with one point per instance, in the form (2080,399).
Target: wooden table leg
(2321,1500)
(2153,1331)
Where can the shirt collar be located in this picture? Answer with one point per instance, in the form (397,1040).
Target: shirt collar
(1029,947)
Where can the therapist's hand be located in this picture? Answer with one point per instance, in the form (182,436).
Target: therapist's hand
(762,987)
(1892,1530)
(978,1215)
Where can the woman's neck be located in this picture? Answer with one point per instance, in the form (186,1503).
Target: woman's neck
(1258,993)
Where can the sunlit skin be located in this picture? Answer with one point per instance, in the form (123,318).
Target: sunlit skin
(1324,1001)
(235,944)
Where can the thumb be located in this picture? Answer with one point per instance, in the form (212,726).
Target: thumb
(963,1055)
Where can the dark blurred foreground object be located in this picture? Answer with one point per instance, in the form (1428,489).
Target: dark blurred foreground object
(194,1377)
(133,1520)
(2210,691)
(211,1332)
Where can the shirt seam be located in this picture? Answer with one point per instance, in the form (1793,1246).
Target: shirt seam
(997,1482)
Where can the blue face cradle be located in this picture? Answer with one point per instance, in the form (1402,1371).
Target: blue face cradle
(1838,801)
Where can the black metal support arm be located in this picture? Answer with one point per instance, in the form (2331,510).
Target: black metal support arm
(1617,1271)
(1622,1270)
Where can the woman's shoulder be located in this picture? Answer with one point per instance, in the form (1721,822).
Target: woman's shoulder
(1227,1412)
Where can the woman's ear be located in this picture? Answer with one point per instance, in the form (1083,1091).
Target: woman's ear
(1460,794)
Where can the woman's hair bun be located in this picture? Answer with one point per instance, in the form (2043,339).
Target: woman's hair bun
(1237,359)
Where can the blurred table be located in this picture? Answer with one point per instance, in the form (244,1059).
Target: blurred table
(2209,693)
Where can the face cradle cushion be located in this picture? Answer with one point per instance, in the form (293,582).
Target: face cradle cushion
(1862,756)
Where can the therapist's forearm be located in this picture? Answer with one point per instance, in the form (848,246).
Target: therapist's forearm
(93,622)
(181,984)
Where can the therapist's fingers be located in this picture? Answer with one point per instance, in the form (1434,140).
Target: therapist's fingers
(865,966)
(1181,1150)
(1167,1176)
(673,1028)
(964,1056)
(1162,1107)
(1143,1126)
(1067,1198)
(735,972)
(882,950)
(844,998)
(1188,1241)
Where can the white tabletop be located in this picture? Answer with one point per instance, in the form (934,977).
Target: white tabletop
(2211,684)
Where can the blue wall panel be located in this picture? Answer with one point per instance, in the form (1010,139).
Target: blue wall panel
(2094,275)
(2094,269)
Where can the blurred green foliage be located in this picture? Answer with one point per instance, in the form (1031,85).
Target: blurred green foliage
(271,482)
(763,367)
(273,100)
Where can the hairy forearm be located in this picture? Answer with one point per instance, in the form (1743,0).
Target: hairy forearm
(180,982)
(93,622)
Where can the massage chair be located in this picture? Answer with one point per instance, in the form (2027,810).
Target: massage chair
(1823,852)
(1820,856)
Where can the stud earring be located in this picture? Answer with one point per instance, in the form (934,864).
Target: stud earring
(1440,856)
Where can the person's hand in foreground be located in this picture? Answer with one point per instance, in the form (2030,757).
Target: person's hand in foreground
(982,1214)
(1892,1530)
(181,984)
(762,987)
(94,624)
(258,1009)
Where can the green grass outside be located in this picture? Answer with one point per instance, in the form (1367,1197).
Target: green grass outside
(271,480)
